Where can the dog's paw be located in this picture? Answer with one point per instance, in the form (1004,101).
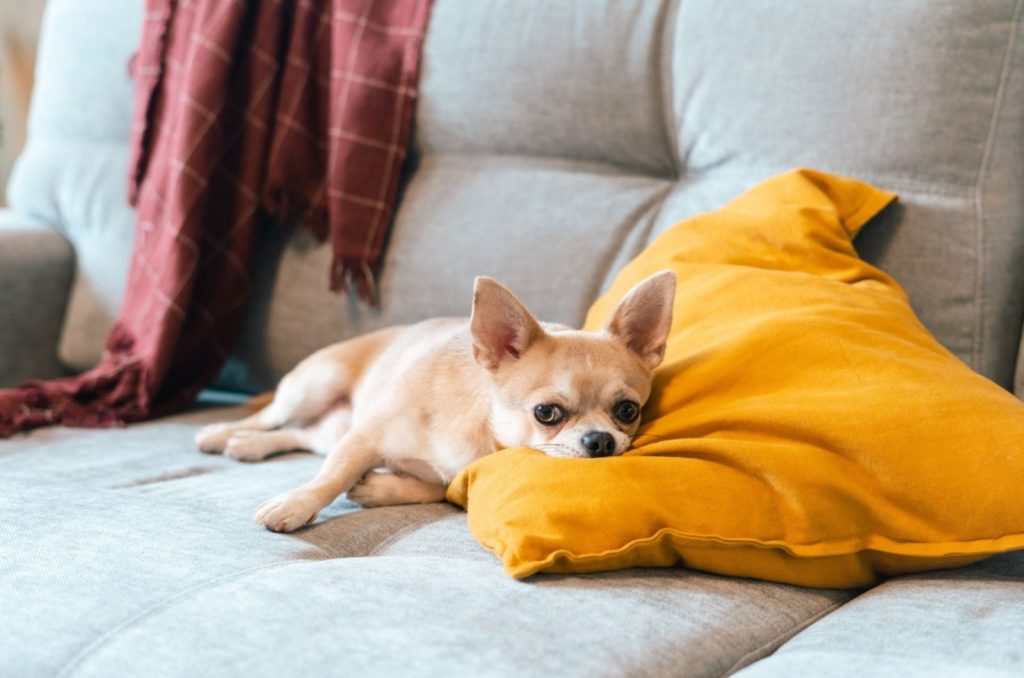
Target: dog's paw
(213,438)
(288,512)
(248,446)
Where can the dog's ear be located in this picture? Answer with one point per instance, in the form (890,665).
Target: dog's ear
(501,326)
(644,316)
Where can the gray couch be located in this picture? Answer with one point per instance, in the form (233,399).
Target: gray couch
(553,140)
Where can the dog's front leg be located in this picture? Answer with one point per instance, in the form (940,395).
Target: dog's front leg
(350,459)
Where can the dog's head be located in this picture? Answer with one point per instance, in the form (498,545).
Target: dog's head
(567,392)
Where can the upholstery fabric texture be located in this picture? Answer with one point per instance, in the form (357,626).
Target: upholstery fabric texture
(939,119)
(967,622)
(72,173)
(804,426)
(136,540)
(36,268)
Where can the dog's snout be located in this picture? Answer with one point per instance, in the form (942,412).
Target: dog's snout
(598,443)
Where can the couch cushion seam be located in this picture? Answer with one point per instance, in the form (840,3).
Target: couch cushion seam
(767,648)
(672,11)
(980,338)
(395,536)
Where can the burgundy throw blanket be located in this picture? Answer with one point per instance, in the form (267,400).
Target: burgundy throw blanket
(300,109)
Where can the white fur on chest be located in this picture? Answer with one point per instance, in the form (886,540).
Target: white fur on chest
(428,402)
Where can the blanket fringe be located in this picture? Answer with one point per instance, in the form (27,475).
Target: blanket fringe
(104,397)
(356,273)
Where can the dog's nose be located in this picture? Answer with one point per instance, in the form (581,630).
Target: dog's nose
(598,443)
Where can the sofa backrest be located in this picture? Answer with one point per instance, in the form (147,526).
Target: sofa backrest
(73,170)
(554,140)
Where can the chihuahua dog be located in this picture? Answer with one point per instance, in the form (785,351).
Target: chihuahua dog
(399,412)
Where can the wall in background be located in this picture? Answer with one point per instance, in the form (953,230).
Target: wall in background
(19,34)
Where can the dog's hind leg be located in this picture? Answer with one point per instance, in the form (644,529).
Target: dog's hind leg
(318,437)
(378,488)
(323,380)
(213,438)
(249,445)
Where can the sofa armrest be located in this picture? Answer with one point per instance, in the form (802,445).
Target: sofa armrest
(37,265)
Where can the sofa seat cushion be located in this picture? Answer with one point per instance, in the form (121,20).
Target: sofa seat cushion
(124,539)
(432,616)
(966,622)
(102,526)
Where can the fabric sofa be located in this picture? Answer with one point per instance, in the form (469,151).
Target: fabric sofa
(553,141)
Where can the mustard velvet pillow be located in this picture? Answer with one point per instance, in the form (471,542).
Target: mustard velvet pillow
(803,428)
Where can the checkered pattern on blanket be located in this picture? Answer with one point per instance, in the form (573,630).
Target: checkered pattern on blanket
(298,109)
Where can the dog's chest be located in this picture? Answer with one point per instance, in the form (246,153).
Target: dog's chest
(446,446)
(427,400)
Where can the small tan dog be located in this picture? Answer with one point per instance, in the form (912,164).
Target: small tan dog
(423,401)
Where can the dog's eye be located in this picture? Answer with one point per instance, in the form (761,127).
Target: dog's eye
(548,414)
(626,411)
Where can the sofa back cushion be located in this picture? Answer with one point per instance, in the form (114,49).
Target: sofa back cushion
(922,97)
(555,140)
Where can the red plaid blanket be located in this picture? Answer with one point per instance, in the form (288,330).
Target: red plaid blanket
(300,109)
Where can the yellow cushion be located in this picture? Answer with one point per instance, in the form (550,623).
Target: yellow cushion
(804,426)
